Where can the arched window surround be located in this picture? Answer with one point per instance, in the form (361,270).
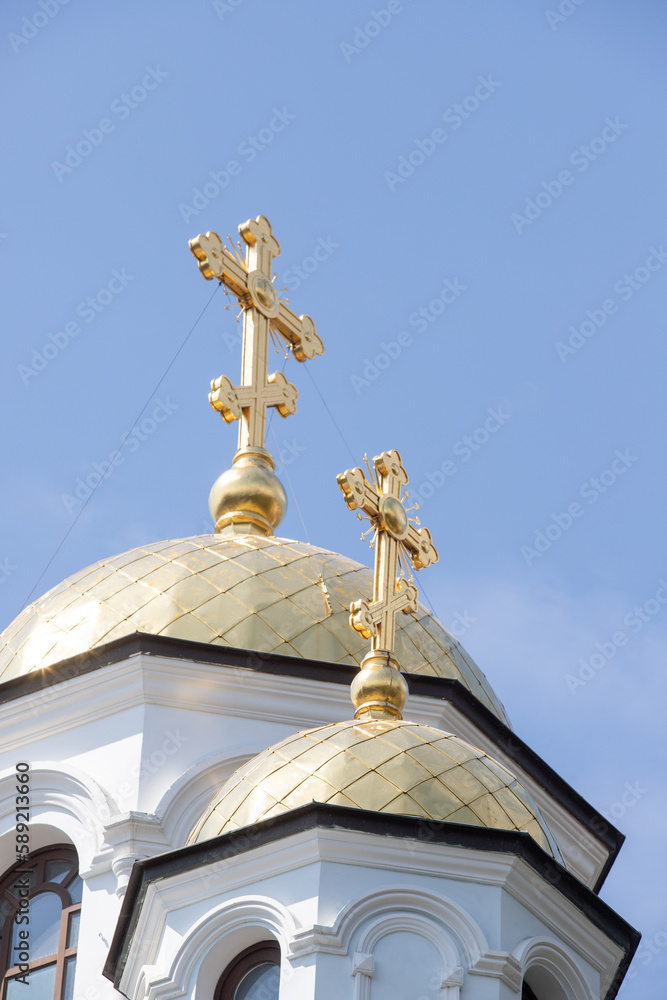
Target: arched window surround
(40,882)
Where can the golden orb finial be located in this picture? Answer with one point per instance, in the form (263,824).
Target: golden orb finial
(248,499)
(379,690)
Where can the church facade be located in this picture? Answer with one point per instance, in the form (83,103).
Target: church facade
(190,806)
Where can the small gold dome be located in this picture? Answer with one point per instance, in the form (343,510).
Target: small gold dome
(385,766)
(246,591)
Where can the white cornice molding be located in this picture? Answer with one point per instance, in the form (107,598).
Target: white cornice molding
(132,837)
(499,965)
(144,679)
(154,680)
(563,918)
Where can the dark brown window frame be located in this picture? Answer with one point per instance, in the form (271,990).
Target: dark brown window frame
(266,952)
(38,860)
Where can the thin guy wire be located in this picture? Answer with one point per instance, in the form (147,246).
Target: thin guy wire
(111,461)
(330,414)
(289,483)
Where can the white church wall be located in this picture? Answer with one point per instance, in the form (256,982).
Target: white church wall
(347,907)
(99,914)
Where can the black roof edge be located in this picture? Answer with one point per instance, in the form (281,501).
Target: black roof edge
(316,814)
(440,688)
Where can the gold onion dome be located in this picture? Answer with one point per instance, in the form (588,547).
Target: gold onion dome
(248,591)
(382,765)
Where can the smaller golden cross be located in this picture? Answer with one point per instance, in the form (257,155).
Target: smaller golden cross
(251,281)
(395,537)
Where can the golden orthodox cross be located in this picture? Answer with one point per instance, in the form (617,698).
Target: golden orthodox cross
(251,281)
(396,536)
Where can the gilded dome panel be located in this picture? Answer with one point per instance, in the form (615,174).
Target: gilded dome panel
(384,766)
(244,591)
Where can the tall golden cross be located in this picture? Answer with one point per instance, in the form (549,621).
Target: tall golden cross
(251,281)
(396,536)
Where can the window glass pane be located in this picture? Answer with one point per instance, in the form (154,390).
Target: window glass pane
(41,984)
(68,984)
(45,911)
(57,870)
(73,929)
(261,983)
(75,889)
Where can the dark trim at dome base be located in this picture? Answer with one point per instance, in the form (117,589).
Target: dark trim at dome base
(439,688)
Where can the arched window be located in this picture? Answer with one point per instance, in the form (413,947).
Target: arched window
(253,975)
(38,938)
(527,993)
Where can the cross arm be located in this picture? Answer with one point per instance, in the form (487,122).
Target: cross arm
(420,546)
(358,493)
(300,332)
(217,262)
(229,400)
(365,617)
(389,467)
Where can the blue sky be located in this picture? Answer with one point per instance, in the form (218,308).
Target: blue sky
(485,184)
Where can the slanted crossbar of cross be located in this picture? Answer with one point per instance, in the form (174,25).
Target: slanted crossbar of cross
(380,500)
(263,310)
